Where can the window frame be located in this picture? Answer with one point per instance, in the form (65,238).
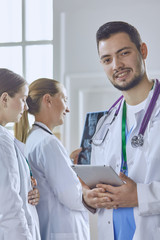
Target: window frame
(24,43)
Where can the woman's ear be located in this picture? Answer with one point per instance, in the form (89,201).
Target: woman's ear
(144,50)
(47,99)
(4,99)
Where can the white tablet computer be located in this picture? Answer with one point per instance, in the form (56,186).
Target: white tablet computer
(92,175)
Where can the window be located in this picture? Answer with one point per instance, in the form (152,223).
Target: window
(26,39)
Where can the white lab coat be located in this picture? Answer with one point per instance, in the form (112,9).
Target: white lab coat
(143,167)
(61,212)
(18,218)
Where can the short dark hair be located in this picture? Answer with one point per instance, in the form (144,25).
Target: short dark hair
(10,82)
(109,28)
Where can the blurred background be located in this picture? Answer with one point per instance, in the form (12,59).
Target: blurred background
(56,39)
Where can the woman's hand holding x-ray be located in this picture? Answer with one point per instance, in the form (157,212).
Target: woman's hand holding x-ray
(74,155)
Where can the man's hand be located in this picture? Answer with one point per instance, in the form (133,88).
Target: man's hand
(123,196)
(95,198)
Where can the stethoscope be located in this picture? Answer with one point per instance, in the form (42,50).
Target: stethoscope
(137,140)
(46,130)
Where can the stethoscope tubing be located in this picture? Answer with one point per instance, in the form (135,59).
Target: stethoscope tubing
(150,109)
(144,123)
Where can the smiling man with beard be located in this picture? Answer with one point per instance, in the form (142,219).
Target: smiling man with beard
(126,139)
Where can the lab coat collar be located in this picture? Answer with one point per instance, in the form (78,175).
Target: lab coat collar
(4,130)
(43,126)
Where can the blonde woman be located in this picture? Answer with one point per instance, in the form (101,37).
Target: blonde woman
(61,212)
(18,218)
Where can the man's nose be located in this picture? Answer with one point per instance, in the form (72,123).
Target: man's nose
(117,63)
(67,110)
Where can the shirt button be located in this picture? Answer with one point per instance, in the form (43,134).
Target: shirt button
(109,222)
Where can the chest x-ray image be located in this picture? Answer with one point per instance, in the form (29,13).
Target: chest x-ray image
(88,132)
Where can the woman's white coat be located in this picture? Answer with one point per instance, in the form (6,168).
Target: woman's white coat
(61,212)
(18,218)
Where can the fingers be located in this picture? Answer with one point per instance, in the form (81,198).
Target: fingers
(123,196)
(115,206)
(75,153)
(96,202)
(124,178)
(33,192)
(107,188)
(33,182)
(99,198)
(34,201)
(33,197)
(112,207)
(96,198)
(103,201)
(100,202)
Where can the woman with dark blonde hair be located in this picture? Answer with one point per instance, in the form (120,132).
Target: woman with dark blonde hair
(61,212)
(18,215)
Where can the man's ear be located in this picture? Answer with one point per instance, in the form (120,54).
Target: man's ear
(144,50)
(4,99)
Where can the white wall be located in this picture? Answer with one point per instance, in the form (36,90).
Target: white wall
(75,53)
(76,62)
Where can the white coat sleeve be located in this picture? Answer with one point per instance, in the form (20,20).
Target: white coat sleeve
(61,178)
(13,223)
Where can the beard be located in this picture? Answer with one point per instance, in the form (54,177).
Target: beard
(135,81)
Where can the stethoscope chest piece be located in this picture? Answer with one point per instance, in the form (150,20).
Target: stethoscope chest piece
(137,141)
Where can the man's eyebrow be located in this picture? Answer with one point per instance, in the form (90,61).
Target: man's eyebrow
(104,56)
(124,48)
(120,50)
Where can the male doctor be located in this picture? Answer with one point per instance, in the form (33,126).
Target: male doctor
(127,139)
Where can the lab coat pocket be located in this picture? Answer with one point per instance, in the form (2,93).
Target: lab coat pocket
(64,236)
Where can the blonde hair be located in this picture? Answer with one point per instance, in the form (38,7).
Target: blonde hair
(37,90)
